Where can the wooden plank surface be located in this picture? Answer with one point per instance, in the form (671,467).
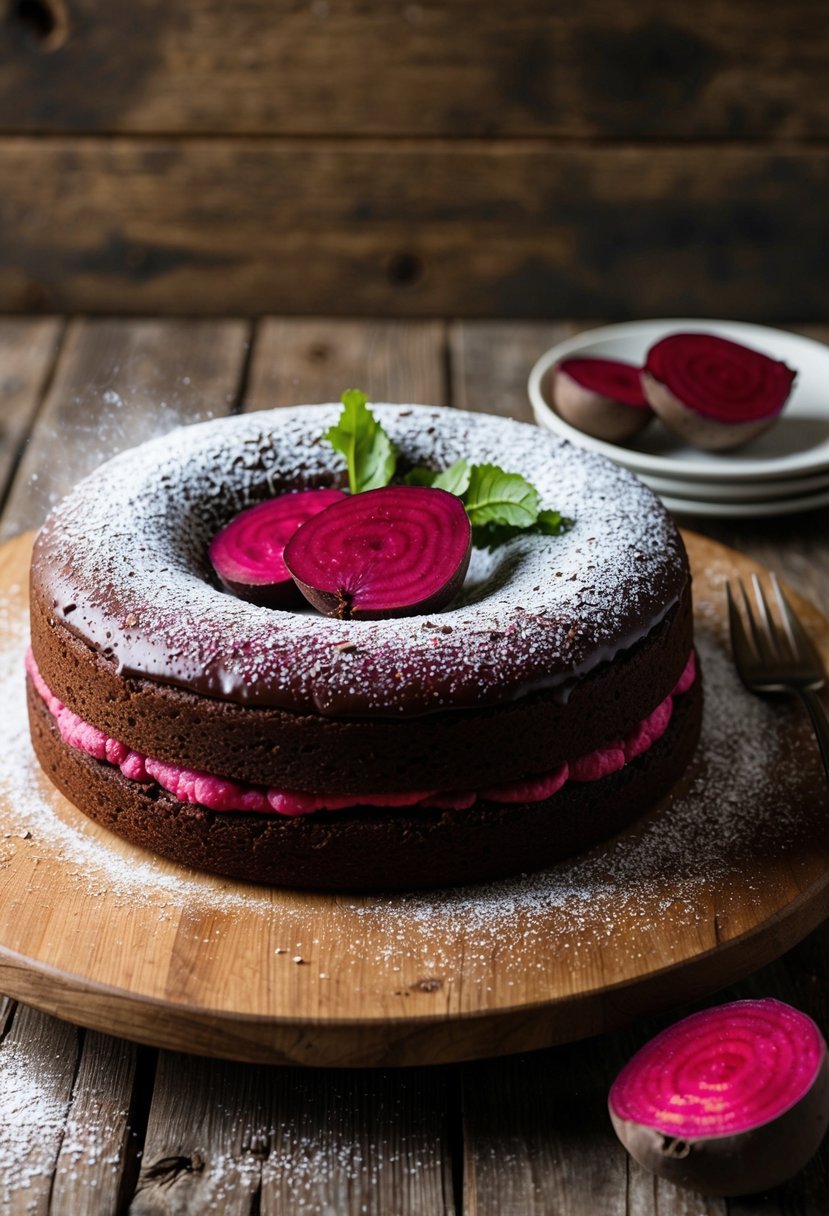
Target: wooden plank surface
(432,227)
(283,1142)
(39,1059)
(117,384)
(27,353)
(682,68)
(538,1140)
(303,362)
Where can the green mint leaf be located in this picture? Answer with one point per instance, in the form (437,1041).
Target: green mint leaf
(496,497)
(549,523)
(552,523)
(491,536)
(420,476)
(370,455)
(455,479)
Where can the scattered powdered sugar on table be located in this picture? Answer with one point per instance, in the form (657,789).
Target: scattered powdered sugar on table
(31,1118)
(37,1124)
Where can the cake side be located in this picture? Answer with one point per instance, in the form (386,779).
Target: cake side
(365,848)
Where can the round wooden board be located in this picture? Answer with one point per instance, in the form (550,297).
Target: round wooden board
(727,874)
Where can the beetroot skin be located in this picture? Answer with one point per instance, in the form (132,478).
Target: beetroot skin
(394,551)
(712,392)
(601,397)
(729,1101)
(247,553)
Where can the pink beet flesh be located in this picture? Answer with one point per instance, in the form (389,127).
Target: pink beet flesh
(247,553)
(720,379)
(611,378)
(394,551)
(721,1072)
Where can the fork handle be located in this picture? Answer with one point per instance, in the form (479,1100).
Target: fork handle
(819,721)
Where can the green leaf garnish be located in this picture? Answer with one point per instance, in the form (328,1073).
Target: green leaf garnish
(552,523)
(500,505)
(496,497)
(420,476)
(370,455)
(455,479)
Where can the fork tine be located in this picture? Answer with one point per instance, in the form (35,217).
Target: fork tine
(799,639)
(768,630)
(761,648)
(740,642)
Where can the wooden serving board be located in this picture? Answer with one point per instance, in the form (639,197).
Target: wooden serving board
(724,876)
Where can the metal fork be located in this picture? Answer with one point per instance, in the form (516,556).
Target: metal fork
(774,657)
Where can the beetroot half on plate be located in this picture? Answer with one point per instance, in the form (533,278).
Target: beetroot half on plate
(712,392)
(247,553)
(394,551)
(601,397)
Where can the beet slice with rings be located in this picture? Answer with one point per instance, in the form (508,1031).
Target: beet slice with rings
(247,553)
(729,1101)
(601,397)
(395,551)
(712,392)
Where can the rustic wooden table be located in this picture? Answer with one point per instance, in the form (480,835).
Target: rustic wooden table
(92,1124)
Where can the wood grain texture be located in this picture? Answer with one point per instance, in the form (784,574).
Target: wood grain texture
(490,362)
(281,1142)
(537,1136)
(433,227)
(116,385)
(207,965)
(38,1065)
(97,1140)
(298,361)
(27,353)
(705,69)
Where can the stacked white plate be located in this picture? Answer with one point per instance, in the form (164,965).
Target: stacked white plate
(784,470)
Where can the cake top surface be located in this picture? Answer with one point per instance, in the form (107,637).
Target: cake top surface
(122,562)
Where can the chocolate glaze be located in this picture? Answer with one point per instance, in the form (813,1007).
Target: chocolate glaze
(122,564)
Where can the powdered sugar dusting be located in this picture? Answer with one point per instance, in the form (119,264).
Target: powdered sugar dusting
(123,561)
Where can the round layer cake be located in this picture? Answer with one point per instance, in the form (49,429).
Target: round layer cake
(550,703)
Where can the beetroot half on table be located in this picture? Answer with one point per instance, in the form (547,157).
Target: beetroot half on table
(729,1101)
(389,552)
(601,397)
(712,392)
(247,553)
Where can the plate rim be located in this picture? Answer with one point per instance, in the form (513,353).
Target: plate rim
(737,509)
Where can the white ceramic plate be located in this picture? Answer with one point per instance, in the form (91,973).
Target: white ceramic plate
(742,491)
(744,510)
(796,445)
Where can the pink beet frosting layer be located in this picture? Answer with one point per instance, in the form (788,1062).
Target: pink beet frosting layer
(220,794)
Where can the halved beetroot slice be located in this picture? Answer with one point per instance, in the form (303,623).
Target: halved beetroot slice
(602,397)
(247,553)
(728,1101)
(712,392)
(395,551)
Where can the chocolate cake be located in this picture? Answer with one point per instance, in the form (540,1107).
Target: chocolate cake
(550,703)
